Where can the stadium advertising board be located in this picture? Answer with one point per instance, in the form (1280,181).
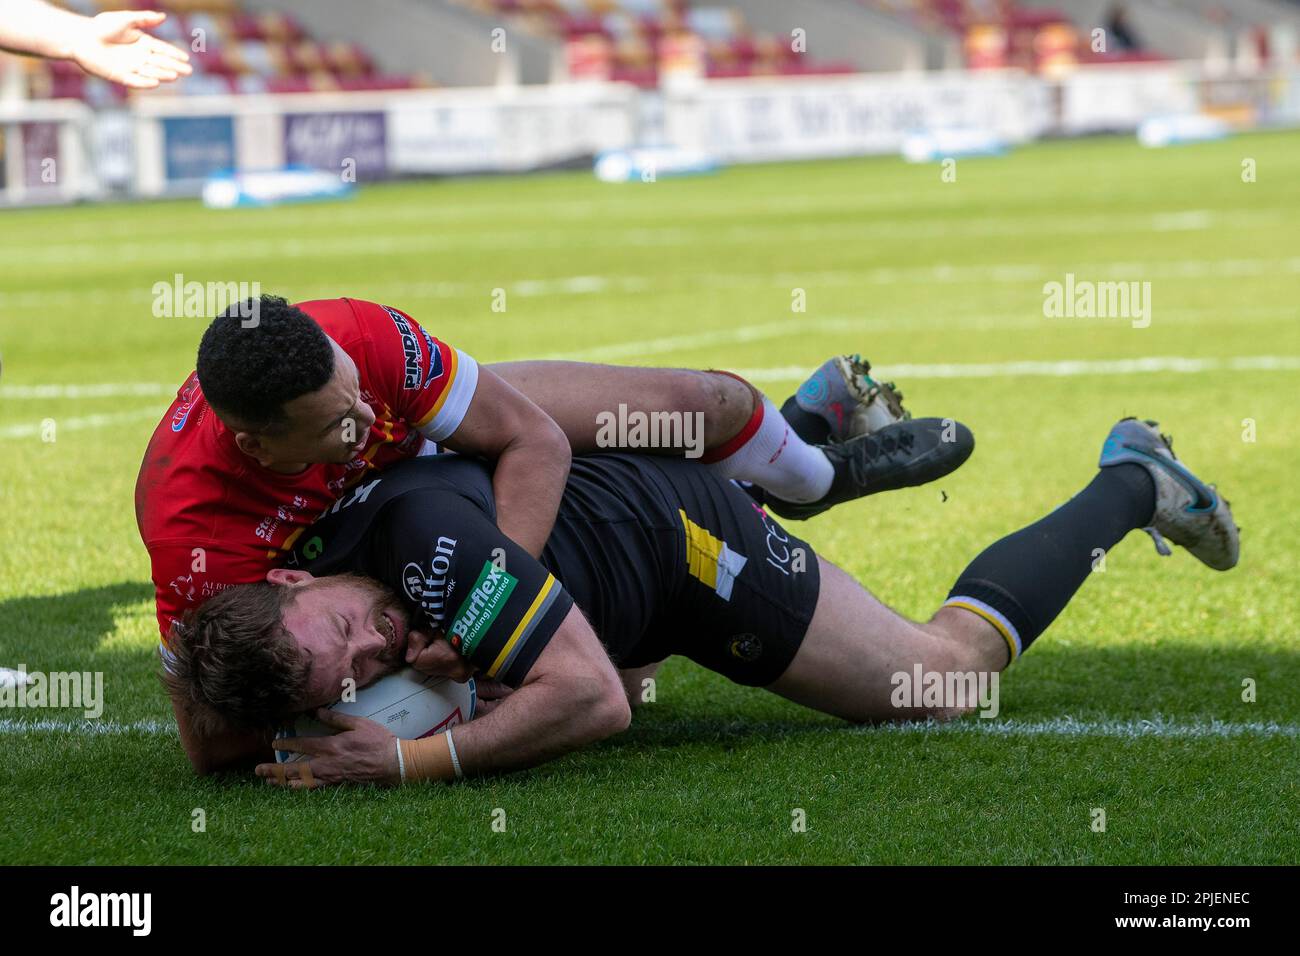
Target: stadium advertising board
(1120,98)
(477,130)
(340,141)
(195,147)
(41,158)
(756,120)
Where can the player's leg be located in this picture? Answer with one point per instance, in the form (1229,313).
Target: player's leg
(855,645)
(1013,590)
(739,431)
(754,603)
(743,435)
(577,394)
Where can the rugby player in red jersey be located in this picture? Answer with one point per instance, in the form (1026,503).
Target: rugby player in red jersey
(295,407)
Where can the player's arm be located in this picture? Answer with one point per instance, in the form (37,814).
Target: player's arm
(516,624)
(532,458)
(456,402)
(509,618)
(111,45)
(571,697)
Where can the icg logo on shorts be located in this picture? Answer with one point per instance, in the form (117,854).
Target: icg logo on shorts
(485,600)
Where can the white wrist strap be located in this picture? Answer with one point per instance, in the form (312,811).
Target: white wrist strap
(455,761)
(401,764)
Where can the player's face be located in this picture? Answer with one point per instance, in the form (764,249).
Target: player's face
(329,425)
(348,626)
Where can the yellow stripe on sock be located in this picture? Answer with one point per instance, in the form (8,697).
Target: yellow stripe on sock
(1001,629)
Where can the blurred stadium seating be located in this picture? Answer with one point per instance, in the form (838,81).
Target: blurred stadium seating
(635,41)
(264,46)
(1001,33)
(234,49)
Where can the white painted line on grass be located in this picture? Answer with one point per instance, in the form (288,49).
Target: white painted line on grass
(160,728)
(1053,727)
(866,325)
(102,390)
(1061,369)
(696,340)
(82,423)
(1070,727)
(1027,273)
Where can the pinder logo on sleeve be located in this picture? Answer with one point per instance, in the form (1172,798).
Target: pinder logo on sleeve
(480,608)
(435,360)
(410,350)
(710,560)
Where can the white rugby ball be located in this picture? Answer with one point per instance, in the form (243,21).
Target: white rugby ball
(410,704)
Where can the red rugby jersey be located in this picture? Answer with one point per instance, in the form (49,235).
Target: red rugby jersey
(213,517)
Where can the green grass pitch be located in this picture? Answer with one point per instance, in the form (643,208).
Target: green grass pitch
(1131,703)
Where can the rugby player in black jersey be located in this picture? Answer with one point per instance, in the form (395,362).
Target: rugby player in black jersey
(649,557)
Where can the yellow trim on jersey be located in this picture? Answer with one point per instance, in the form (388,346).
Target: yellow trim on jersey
(446,391)
(523,625)
(288,542)
(386,429)
(1001,629)
(703,551)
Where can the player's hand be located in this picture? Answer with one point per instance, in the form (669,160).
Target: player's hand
(114,46)
(431,654)
(360,751)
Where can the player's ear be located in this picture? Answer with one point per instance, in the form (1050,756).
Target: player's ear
(287,577)
(251,445)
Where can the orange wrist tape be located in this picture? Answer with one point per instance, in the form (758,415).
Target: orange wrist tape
(428,758)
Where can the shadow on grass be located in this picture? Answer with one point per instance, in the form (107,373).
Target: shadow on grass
(63,631)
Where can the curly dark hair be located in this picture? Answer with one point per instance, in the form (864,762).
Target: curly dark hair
(259,354)
(234,663)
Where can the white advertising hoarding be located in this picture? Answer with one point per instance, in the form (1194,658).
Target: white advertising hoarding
(484,130)
(802,118)
(1119,98)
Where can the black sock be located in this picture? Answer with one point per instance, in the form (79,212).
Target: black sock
(1021,583)
(813,429)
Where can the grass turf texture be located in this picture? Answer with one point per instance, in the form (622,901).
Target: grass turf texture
(700,272)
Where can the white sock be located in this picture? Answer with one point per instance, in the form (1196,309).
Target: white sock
(768,453)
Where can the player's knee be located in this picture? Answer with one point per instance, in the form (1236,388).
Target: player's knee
(603,703)
(949,650)
(723,400)
(613,713)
